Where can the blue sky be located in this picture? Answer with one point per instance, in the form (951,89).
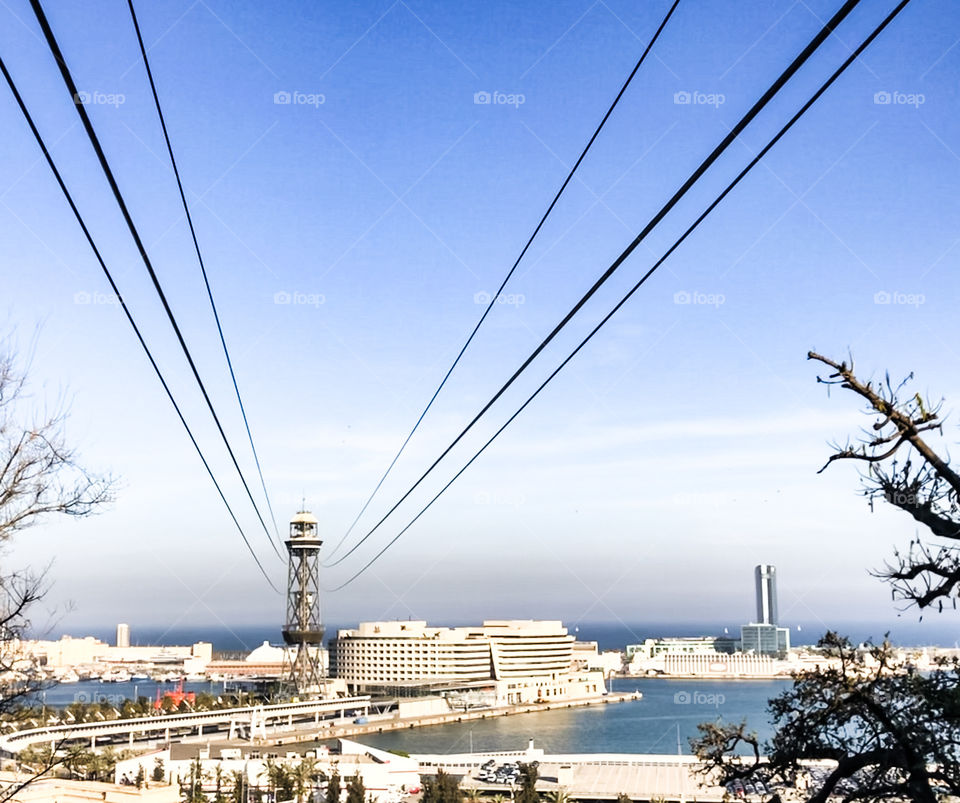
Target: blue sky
(677,451)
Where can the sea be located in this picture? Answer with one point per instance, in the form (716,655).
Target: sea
(907,630)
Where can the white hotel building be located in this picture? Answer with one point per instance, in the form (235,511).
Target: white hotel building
(518,660)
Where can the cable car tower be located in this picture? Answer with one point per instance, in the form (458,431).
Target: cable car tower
(303,629)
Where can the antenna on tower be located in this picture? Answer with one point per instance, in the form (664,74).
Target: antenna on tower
(303,630)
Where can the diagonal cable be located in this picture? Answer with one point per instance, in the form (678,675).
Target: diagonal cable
(734,132)
(507,278)
(126,310)
(108,173)
(803,109)
(203,269)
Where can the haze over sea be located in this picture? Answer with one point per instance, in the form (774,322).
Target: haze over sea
(943,630)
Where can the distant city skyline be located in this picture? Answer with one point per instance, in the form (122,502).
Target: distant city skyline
(349,241)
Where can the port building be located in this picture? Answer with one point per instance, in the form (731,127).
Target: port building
(516,661)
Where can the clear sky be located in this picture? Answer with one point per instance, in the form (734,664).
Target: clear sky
(678,450)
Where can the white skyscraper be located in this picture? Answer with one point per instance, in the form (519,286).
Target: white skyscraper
(766,577)
(123,635)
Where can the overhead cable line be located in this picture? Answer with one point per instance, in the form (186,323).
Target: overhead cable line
(803,109)
(507,278)
(734,132)
(108,173)
(126,310)
(203,269)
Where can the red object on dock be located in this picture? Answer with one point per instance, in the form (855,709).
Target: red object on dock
(177,696)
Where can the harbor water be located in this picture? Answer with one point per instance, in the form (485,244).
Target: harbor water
(662,721)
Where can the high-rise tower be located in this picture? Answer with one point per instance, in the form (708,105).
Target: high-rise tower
(123,635)
(303,629)
(766,577)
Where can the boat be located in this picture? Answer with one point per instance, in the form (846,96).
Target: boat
(115,676)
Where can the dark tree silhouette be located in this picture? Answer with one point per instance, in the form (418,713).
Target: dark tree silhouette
(444,788)
(901,467)
(882,730)
(887,732)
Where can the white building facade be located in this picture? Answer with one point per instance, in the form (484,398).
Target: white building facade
(521,660)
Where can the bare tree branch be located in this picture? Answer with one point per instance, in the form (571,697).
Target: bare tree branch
(920,482)
(39,475)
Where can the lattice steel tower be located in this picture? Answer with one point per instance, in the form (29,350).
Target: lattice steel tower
(303,629)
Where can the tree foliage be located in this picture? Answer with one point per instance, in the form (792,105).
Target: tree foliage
(886,731)
(442,788)
(867,726)
(356,791)
(527,793)
(333,788)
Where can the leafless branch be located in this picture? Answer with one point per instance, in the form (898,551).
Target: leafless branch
(902,468)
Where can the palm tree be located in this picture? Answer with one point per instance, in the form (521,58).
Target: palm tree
(237,791)
(305,777)
(220,795)
(559,796)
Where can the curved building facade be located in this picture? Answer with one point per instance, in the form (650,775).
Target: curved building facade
(381,653)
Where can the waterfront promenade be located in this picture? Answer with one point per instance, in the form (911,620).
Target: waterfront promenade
(261,718)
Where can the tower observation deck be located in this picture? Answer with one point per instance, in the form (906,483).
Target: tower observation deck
(303,628)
